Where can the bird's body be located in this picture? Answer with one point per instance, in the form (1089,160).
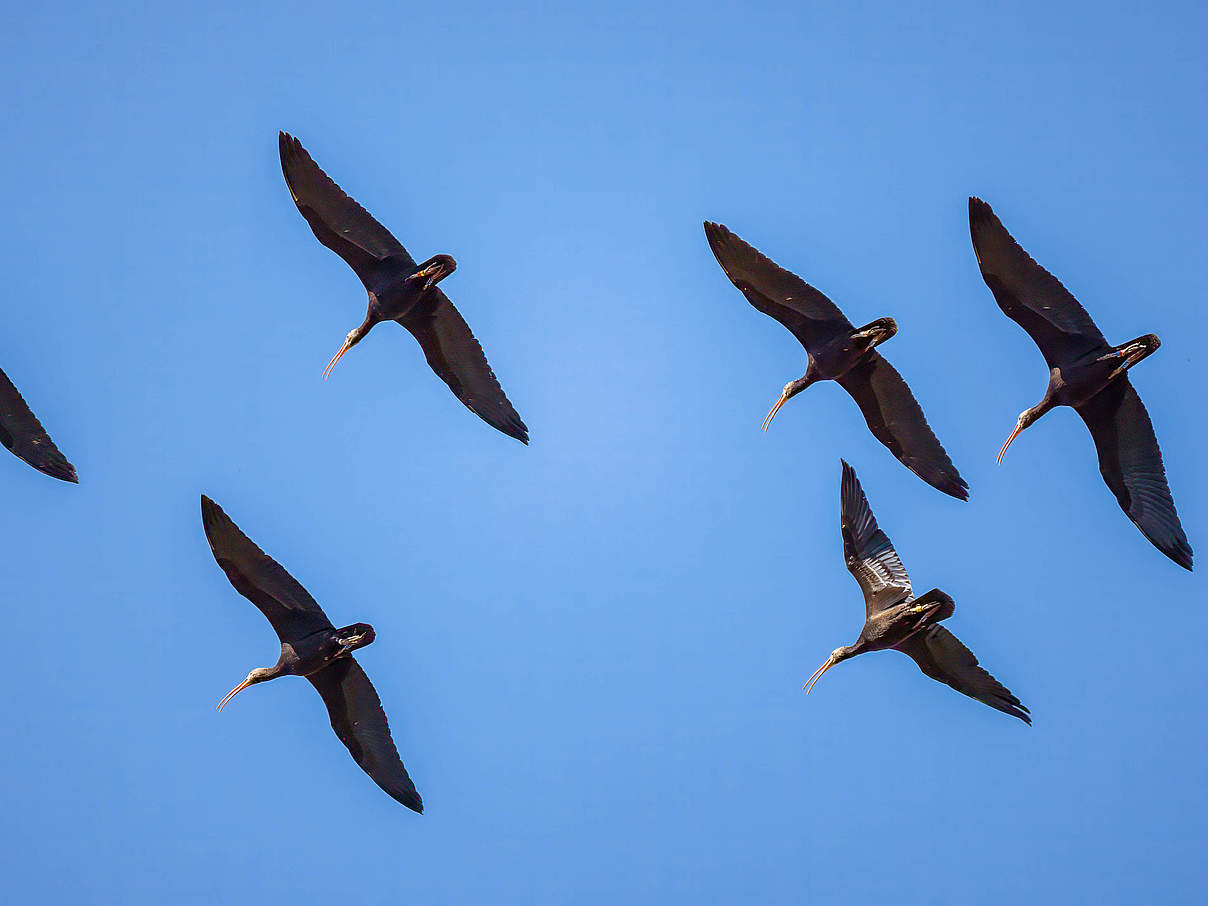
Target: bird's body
(1087,374)
(312,647)
(840,352)
(399,289)
(23,434)
(895,618)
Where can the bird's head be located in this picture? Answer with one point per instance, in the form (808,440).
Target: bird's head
(791,389)
(841,653)
(259,675)
(354,336)
(358,635)
(434,270)
(1025,420)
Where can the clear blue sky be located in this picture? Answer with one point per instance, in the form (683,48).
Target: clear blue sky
(592,650)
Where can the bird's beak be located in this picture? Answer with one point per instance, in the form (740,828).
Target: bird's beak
(1003,451)
(813,680)
(247,682)
(784,398)
(339,355)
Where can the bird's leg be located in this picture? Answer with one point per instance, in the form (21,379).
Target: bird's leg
(877,332)
(1130,353)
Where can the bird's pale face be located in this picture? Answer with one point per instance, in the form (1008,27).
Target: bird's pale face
(1023,421)
(354,336)
(259,675)
(791,389)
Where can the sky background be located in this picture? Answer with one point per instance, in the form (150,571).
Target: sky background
(592,649)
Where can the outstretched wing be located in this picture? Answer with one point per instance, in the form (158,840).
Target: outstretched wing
(895,419)
(1030,295)
(22,433)
(1131,464)
(942,657)
(261,579)
(458,360)
(336,219)
(358,719)
(812,317)
(868,551)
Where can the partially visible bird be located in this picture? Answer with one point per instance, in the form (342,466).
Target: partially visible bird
(895,618)
(1089,375)
(839,352)
(399,289)
(22,433)
(312,647)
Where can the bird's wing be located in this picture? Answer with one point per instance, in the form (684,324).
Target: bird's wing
(458,360)
(358,719)
(942,657)
(1131,464)
(812,317)
(896,420)
(336,219)
(867,550)
(1030,295)
(261,579)
(22,433)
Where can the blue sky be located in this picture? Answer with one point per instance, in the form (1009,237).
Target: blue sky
(592,650)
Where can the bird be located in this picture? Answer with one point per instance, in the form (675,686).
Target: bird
(1089,375)
(312,647)
(895,618)
(399,289)
(839,352)
(22,433)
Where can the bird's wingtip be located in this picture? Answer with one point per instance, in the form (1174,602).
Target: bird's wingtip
(210,512)
(979,211)
(413,801)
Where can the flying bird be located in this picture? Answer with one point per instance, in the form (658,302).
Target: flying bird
(1086,373)
(399,289)
(839,352)
(312,647)
(895,618)
(22,433)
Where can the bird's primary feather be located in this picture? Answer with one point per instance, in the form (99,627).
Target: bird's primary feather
(23,434)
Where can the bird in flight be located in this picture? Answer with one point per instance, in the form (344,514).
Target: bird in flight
(312,647)
(839,352)
(399,289)
(1089,375)
(22,433)
(895,618)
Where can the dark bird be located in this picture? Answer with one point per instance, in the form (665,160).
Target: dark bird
(399,289)
(313,648)
(1086,373)
(839,352)
(22,433)
(895,618)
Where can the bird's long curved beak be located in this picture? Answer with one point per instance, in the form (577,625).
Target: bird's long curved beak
(1003,451)
(784,398)
(233,693)
(813,680)
(339,355)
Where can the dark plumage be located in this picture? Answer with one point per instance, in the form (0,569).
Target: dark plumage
(22,433)
(838,351)
(895,618)
(1089,375)
(399,289)
(312,647)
